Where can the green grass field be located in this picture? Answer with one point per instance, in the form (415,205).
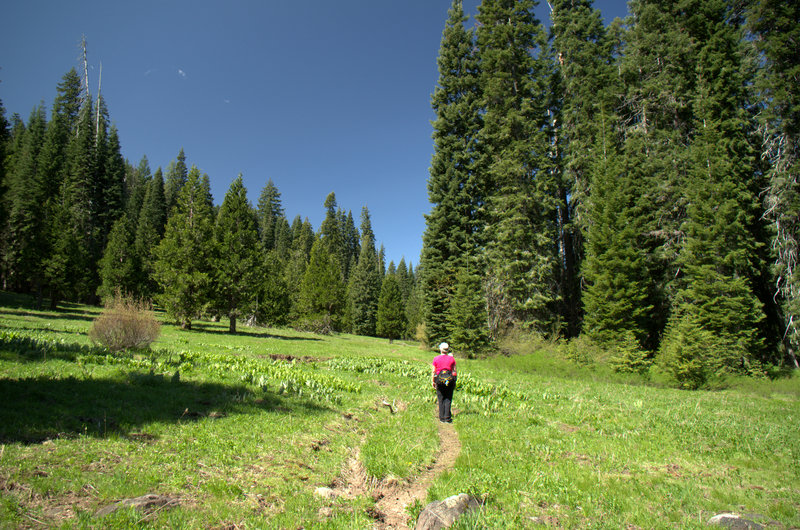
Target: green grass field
(241,430)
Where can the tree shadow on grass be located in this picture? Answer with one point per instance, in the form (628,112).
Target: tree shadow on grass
(200,328)
(37,409)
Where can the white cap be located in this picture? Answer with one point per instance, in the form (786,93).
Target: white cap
(444,347)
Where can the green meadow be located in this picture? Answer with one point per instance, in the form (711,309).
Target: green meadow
(241,430)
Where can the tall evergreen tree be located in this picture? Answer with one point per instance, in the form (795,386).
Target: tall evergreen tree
(270,213)
(585,89)
(175,180)
(522,257)
(467,322)
(119,265)
(150,227)
(365,282)
(238,255)
(182,263)
(720,255)
(322,293)
(79,194)
(26,235)
(775,26)
(391,315)
(455,187)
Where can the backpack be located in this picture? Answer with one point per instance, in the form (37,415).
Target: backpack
(445,377)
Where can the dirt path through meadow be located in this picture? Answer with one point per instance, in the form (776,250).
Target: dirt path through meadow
(395,498)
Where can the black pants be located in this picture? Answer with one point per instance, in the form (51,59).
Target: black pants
(444,393)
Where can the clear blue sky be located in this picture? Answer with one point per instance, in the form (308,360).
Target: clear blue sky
(318,96)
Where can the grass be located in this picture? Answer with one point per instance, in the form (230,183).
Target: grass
(242,430)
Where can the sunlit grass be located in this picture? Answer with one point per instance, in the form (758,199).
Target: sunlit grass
(242,430)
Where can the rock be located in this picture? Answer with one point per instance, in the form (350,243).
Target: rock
(734,521)
(326,493)
(442,514)
(146,503)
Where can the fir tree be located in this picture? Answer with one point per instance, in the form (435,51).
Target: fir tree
(585,90)
(182,265)
(119,265)
(270,213)
(615,270)
(322,293)
(176,178)
(238,255)
(775,26)
(365,282)
(391,316)
(26,233)
(467,321)
(522,250)
(455,188)
(150,227)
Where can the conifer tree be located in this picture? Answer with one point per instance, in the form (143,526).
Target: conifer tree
(775,26)
(467,321)
(365,282)
(585,90)
(330,231)
(719,257)
(150,227)
(270,214)
(79,193)
(5,141)
(182,265)
(119,266)
(322,293)
(136,187)
(616,294)
(391,315)
(455,187)
(26,235)
(175,180)
(238,256)
(522,258)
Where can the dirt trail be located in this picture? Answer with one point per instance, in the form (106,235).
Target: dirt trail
(391,507)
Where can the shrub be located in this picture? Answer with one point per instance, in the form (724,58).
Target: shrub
(125,324)
(627,356)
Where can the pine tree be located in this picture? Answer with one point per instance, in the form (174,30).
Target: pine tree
(775,26)
(322,293)
(615,298)
(455,188)
(119,265)
(270,213)
(26,235)
(467,327)
(177,175)
(391,315)
(330,231)
(719,256)
(585,90)
(79,193)
(238,255)
(5,141)
(182,266)
(522,246)
(365,282)
(150,227)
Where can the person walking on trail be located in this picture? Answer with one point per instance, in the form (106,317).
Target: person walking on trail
(444,381)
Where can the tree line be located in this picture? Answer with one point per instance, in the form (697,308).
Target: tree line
(82,224)
(634,184)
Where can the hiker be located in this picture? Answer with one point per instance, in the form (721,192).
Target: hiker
(444,381)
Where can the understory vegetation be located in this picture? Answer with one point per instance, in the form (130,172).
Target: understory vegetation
(241,431)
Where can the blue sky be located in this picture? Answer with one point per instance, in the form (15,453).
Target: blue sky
(318,96)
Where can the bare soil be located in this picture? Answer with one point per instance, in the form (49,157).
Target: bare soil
(394,498)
